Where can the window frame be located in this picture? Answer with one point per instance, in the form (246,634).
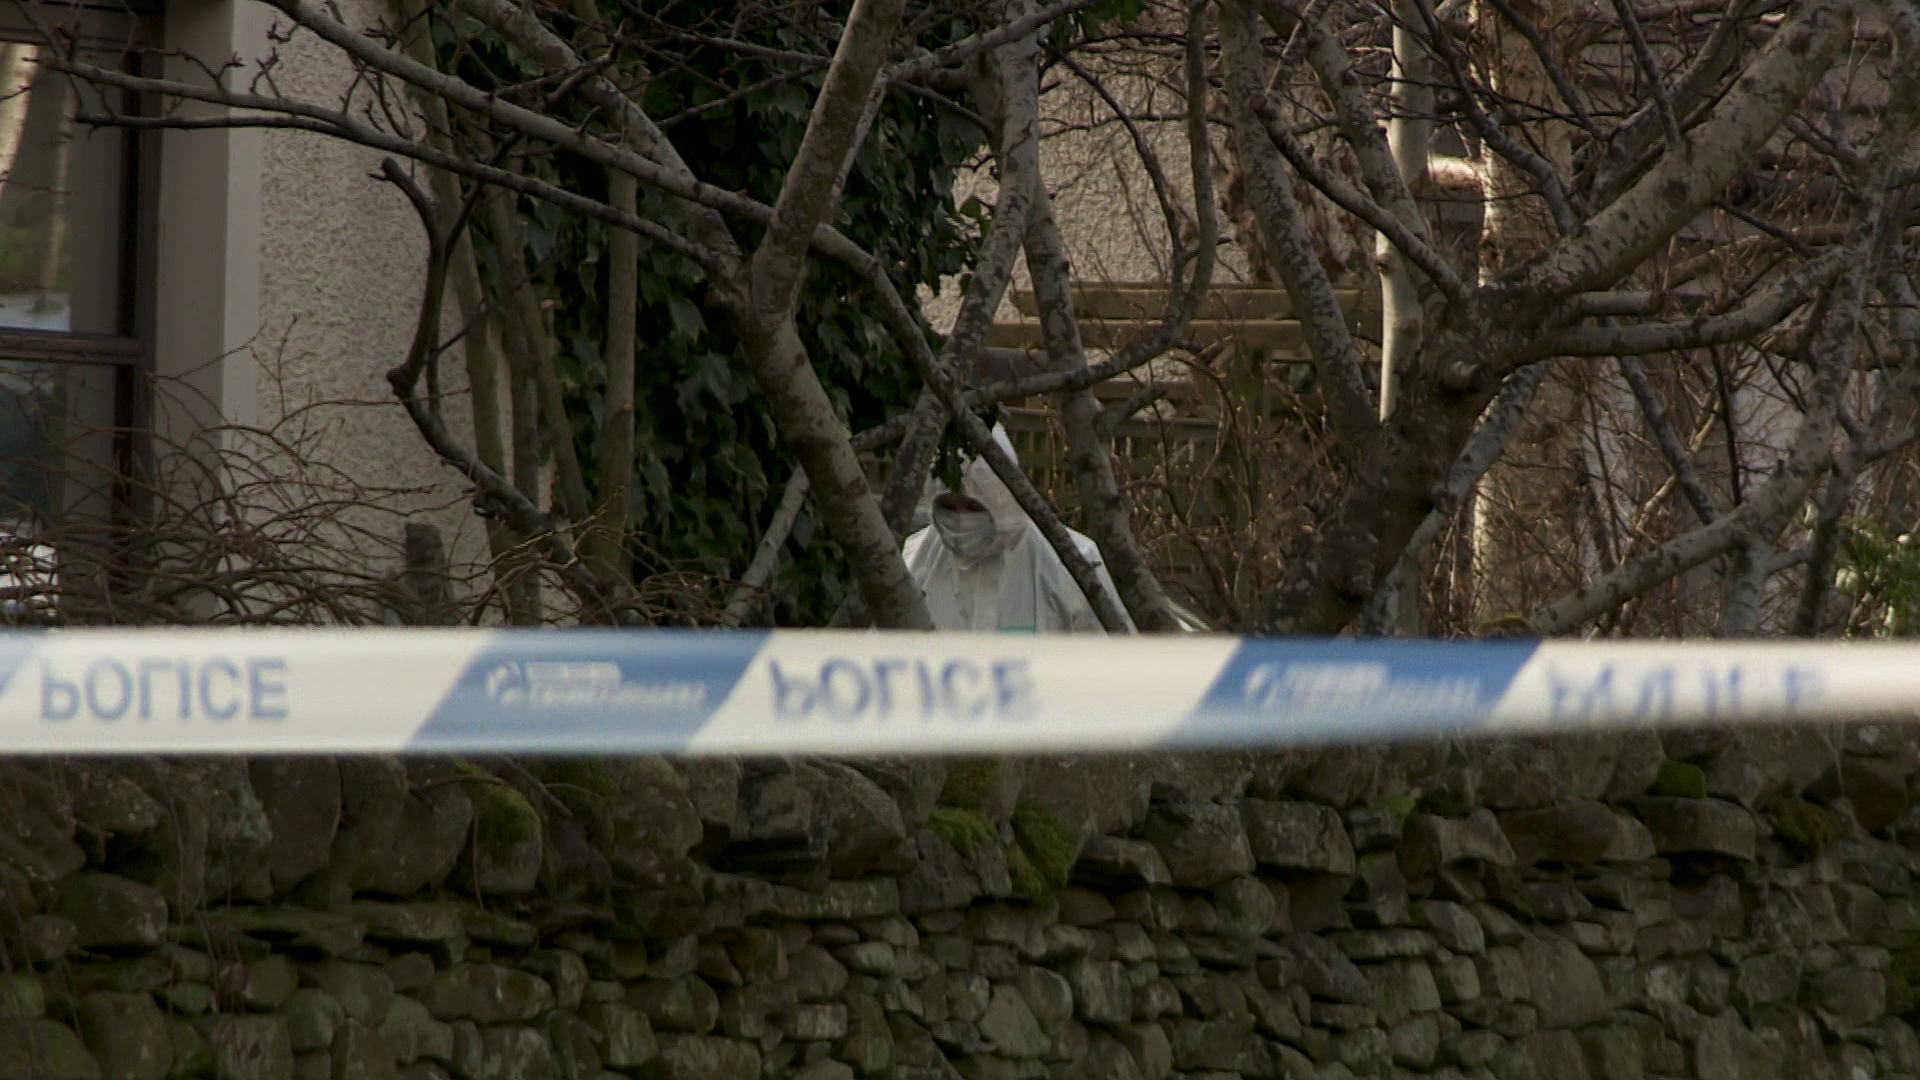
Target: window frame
(131,34)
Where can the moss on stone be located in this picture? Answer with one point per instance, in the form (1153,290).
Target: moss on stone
(969,784)
(503,818)
(1046,845)
(1902,976)
(1680,780)
(1807,829)
(1400,806)
(1027,879)
(966,830)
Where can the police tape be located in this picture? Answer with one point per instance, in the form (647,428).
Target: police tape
(825,692)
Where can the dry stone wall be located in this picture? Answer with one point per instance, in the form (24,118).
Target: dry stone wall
(1714,906)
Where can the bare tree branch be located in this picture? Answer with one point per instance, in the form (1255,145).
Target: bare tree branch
(1756,314)
(1354,412)
(1624,233)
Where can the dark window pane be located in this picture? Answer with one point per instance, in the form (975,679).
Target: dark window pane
(61,197)
(56,444)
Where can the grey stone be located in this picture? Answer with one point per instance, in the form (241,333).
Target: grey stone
(300,797)
(127,1034)
(815,975)
(1274,1014)
(1211,997)
(111,912)
(261,985)
(1156,907)
(626,1038)
(290,928)
(1632,841)
(1131,944)
(1401,988)
(413,1033)
(486,994)
(1204,844)
(1557,902)
(1049,995)
(966,994)
(1366,1051)
(1614,1052)
(1457,979)
(874,958)
(1150,1049)
(1768,978)
(1566,986)
(565,972)
(868,1045)
(1498,927)
(1432,843)
(1847,998)
(1470,1049)
(1337,1017)
(1297,836)
(1725,1049)
(1415,1042)
(1636,766)
(1101,992)
(1112,863)
(1383,944)
(1379,896)
(1706,826)
(1517,774)
(37,1049)
(362,1051)
(1156,999)
(868,898)
(312,1018)
(512,1052)
(1106,1059)
(1504,974)
(22,996)
(1327,973)
(1084,907)
(44,938)
(1222,1045)
(1375,828)
(686,1004)
(362,991)
(422,923)
(1557,1055)
(1452,925)
(712,786)
(574,1051)
(1246,908)
(1578,833)
(865,833)
(817,1023)
(249,1047)
(1010,1026)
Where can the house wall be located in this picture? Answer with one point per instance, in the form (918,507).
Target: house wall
(287,284)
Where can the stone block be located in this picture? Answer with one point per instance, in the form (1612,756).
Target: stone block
(1699,826)
(1204,844)
(1297,836)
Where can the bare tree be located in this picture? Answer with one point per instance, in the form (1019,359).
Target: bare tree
(1676,216)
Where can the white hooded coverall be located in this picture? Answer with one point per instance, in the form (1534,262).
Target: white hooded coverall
(994,570)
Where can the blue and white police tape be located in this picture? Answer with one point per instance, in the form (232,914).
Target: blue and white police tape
(822,692)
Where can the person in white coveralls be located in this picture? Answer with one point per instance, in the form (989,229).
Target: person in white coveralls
(984,565)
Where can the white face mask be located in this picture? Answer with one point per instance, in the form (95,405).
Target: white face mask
(969,534)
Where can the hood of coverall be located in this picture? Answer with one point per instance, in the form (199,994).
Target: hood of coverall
(973,538)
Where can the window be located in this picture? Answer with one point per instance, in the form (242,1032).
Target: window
(73,330)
